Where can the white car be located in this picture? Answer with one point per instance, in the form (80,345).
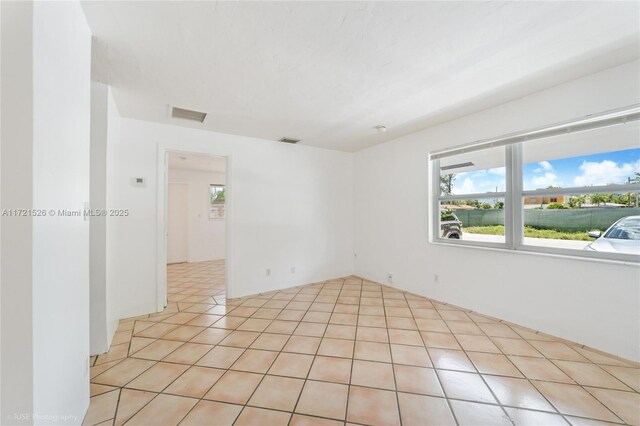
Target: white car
(621,237)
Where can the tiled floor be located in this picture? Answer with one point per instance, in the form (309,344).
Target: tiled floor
(345,351)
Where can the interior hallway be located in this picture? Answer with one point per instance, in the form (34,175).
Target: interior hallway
(345,350)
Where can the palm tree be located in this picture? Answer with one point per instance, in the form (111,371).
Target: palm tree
(598,199)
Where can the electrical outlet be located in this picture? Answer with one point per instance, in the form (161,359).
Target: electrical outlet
(389,277)
(436,278)
(268,272)
(293,269)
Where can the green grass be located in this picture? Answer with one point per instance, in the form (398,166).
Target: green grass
(530,232)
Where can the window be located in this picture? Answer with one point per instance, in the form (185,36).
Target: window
(217,197)
(568,189)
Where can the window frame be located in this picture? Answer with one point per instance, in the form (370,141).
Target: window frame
(210,205)
(514,193)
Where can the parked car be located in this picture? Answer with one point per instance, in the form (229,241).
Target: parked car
(621,237)
(450,225)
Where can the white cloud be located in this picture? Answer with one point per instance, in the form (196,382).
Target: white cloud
(467,187)
(545,166)
(605,172)
(499,171)
(546,180)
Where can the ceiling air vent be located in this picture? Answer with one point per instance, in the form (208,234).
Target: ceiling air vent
(288,140)
(188,114)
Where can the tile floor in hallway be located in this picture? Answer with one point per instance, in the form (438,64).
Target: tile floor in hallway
(345,351)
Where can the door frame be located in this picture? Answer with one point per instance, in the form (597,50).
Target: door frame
(161,223)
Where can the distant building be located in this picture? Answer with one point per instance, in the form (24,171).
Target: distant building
(528,201)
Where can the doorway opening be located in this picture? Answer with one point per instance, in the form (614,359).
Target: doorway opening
(195,228)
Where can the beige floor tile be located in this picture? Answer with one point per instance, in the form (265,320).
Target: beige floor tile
(254,324)
(251,416)
(96,389)
(184,333)
(220,357)
(372,407)
(300,420)
(629,376)
(625,405)
(311,329)
(102,407)
(557,350)
(277,393)
(319,317)
(324,400)
(158,350)
(131,401)
(158,330)
(189,353)
(235,387)
(574,400)
(372,374)
(309,339)
(518,347)
(440,340)
(417,380)
(282,327)
(291,365)
(534,418)
(195,382)
(123,372)
(372,351)
(163,410)
(473,414)
(336,347)
(477,343)
(270,342)
(302,344)
(467,386)
(228,323)
(464,327)
(433,325)
(405,337)
(448,359)
(255,361)
(588,374)
(410,355)
(517,393)
(211,336)
(335,331)
(424,410)
(337,370)
(490,363)
(540,369)
(498,330)
(157,377)
(240,339)
(208,412)
(372,334)
(116,352)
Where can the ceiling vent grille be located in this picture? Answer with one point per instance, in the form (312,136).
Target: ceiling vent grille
(288,140)
(188,114)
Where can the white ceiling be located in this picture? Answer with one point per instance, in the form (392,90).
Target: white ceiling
(328,72)
(200,163)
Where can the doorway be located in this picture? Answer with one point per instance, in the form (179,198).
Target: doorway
(195,226)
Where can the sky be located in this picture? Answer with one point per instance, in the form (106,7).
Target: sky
(587,170)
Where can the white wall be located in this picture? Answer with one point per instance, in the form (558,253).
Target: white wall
(61,106)
(104,116)
(205,237)
(586,301)
(16,312)
(287,206)
(46,57)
